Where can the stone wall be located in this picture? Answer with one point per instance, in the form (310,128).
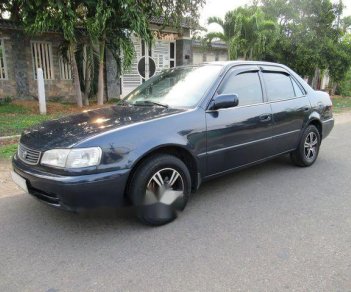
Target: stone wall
(21,80)
(8,86)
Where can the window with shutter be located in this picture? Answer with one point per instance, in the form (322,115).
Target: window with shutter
(3,67)
(42,58)
(65,68)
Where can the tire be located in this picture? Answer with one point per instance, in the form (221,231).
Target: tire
(307,151)
(160,189)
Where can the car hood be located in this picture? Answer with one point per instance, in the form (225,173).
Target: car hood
(67,131)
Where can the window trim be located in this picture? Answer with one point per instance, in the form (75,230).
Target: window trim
(279,72)
(6,73)
(48,57)
(237,71)
(278,69)
(304,93)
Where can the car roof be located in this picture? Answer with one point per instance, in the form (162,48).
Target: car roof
(243,62)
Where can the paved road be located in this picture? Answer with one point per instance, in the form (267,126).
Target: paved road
(274,227)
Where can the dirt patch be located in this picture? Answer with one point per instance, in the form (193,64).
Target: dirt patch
(7,186)
(9,141)
(342,118)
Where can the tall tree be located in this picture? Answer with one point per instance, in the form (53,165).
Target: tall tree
(310,38)
(247,32)
(112,23)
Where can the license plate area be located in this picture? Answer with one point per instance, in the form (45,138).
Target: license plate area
(20,181)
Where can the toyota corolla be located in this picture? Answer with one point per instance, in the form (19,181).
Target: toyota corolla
(178,129)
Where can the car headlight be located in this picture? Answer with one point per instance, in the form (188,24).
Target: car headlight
(72,158)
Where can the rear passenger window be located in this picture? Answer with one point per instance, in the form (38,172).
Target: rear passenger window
(246,85)
(298,90)
(278,86)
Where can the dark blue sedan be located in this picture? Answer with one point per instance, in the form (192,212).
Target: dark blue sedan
(178,129)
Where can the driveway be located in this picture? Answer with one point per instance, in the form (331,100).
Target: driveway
(273,227)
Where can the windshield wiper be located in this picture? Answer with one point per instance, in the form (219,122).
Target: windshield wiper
(148,102)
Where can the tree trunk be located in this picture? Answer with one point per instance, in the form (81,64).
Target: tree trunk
(310,79)
(251,53)
(100,95)
(318,79)
(76,81)
(87,81)
(333,88)
(87,85)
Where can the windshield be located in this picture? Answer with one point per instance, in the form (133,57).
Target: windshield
(177,87)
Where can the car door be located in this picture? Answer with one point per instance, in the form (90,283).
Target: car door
(290,107)
(240,135)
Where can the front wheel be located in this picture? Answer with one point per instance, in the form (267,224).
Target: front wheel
(307,151)
(160,189)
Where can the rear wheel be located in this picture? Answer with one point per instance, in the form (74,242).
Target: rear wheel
(160,189)
(307,152)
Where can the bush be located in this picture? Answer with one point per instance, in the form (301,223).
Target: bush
(6,100)
(344,87)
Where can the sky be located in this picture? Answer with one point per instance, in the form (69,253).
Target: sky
(220,7)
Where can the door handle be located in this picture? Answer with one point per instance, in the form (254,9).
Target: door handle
(265,117)
(306,109)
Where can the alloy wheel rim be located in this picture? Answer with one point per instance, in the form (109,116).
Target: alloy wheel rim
(310,146)
(166,186)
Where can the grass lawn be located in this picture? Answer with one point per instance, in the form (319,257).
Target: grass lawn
(22,114)
(6,151)
(19,115)
(341,104)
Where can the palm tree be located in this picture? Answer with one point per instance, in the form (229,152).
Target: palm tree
(246,31)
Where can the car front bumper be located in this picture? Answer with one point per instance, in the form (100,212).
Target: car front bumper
(74,192)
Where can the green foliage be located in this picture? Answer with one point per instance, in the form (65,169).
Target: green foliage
(13,109)
(344,87)
(6,100)
(6,151)
(311,36)
(304,34)
(341,104)
(14,124)
(247,32)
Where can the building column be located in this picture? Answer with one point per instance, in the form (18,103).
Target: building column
(184,52)
(112,76)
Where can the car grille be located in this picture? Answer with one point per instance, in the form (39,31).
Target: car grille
(28,155)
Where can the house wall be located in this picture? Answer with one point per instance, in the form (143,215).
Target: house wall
(8,85)
(21,81)
(201,54)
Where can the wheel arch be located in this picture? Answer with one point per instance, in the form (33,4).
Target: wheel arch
(173,149)
(318,124)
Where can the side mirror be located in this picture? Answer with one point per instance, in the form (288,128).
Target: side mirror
(224,101)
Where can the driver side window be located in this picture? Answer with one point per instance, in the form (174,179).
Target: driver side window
(246,85)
